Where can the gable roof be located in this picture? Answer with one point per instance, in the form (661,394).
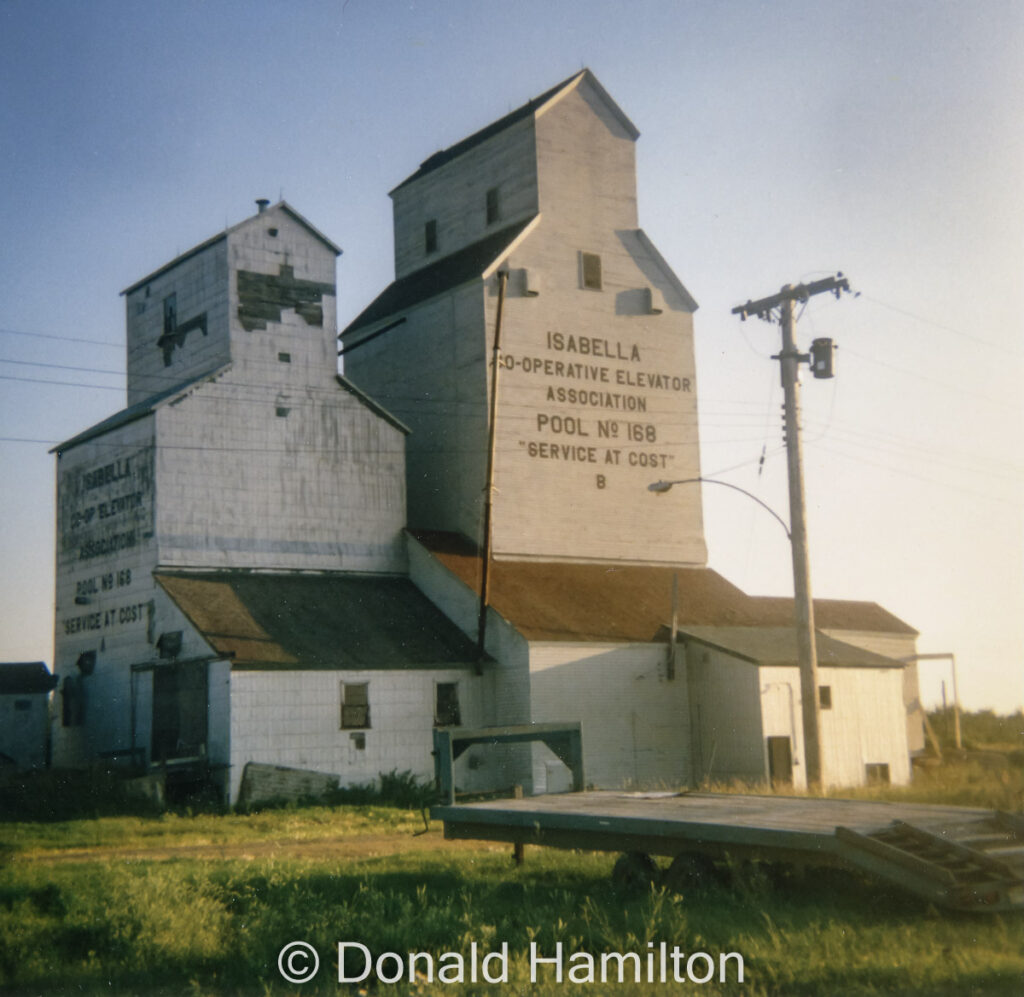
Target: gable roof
(778,646)
(137,411)
(333,621)
(559,601)
(458,268)
(530,108)
(213,240)
(23,678)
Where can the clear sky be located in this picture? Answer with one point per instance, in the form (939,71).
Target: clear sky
(780,142)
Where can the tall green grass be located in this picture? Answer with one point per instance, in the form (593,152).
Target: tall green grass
(216,928)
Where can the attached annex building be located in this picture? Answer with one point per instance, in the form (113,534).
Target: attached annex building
(261,561)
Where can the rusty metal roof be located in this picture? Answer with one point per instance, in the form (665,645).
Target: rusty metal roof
(330,621)
(558,601)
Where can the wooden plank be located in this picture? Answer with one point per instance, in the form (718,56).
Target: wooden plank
(920,867)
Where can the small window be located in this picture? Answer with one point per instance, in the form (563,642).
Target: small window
(284,357)
(825,697)
(493,206)
(877,773)
(355,705)
(168,645)
(446,705)
(430,236)
(282,411)
(591,270)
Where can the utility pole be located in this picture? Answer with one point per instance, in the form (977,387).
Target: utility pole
(485,552)
(820,360)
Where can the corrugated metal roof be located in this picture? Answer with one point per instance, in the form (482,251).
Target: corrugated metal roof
(137,411)
(777,646)
(558,601)
(460,267)
(332,621)
(23,678)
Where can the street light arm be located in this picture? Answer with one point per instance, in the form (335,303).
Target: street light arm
(663,486)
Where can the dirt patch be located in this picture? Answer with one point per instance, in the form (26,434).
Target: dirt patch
(320,849)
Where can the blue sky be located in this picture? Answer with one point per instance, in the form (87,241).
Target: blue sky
(779,141)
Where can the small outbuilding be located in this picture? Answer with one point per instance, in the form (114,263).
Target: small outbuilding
(25,689)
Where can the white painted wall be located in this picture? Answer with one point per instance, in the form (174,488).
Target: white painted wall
(865,725)
(728,740)
(320,487)
(24,728)
(454,195)
(105,593)
(198,284)
(635,719)
(293,718)
(899,647)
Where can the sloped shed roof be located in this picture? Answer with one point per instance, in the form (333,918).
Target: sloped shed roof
(558,601)
(23,678)
(268,621)
(778,646)
(458,268)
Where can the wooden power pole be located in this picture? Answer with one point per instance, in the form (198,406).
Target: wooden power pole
(790,359)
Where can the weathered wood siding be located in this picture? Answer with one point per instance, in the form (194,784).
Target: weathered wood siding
(455,196)
(253,477)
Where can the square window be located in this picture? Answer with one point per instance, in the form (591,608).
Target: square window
(355,705)
(430,236)
(446,705)
(590,268)
(877,773)
(493,206)
(284,357)
(825,697)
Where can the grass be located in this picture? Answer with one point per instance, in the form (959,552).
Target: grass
(169,829)
(215,927)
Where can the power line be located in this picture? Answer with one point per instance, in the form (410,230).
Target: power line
(65,339)
(945,328)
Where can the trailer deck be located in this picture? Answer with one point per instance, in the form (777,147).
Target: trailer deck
(958,857)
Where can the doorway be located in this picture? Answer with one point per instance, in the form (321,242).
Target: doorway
(780,762)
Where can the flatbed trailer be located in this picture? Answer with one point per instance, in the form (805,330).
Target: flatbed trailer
(958,857)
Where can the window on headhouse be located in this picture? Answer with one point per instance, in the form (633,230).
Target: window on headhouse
(446,705)
(430,236)
(825,697)
(877,773)
(355,705)
(590,266)
(493,206)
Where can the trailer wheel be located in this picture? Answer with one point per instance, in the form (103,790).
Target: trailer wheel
(634,872)
(690,871)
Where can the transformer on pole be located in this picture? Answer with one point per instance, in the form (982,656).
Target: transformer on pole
(821,362)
